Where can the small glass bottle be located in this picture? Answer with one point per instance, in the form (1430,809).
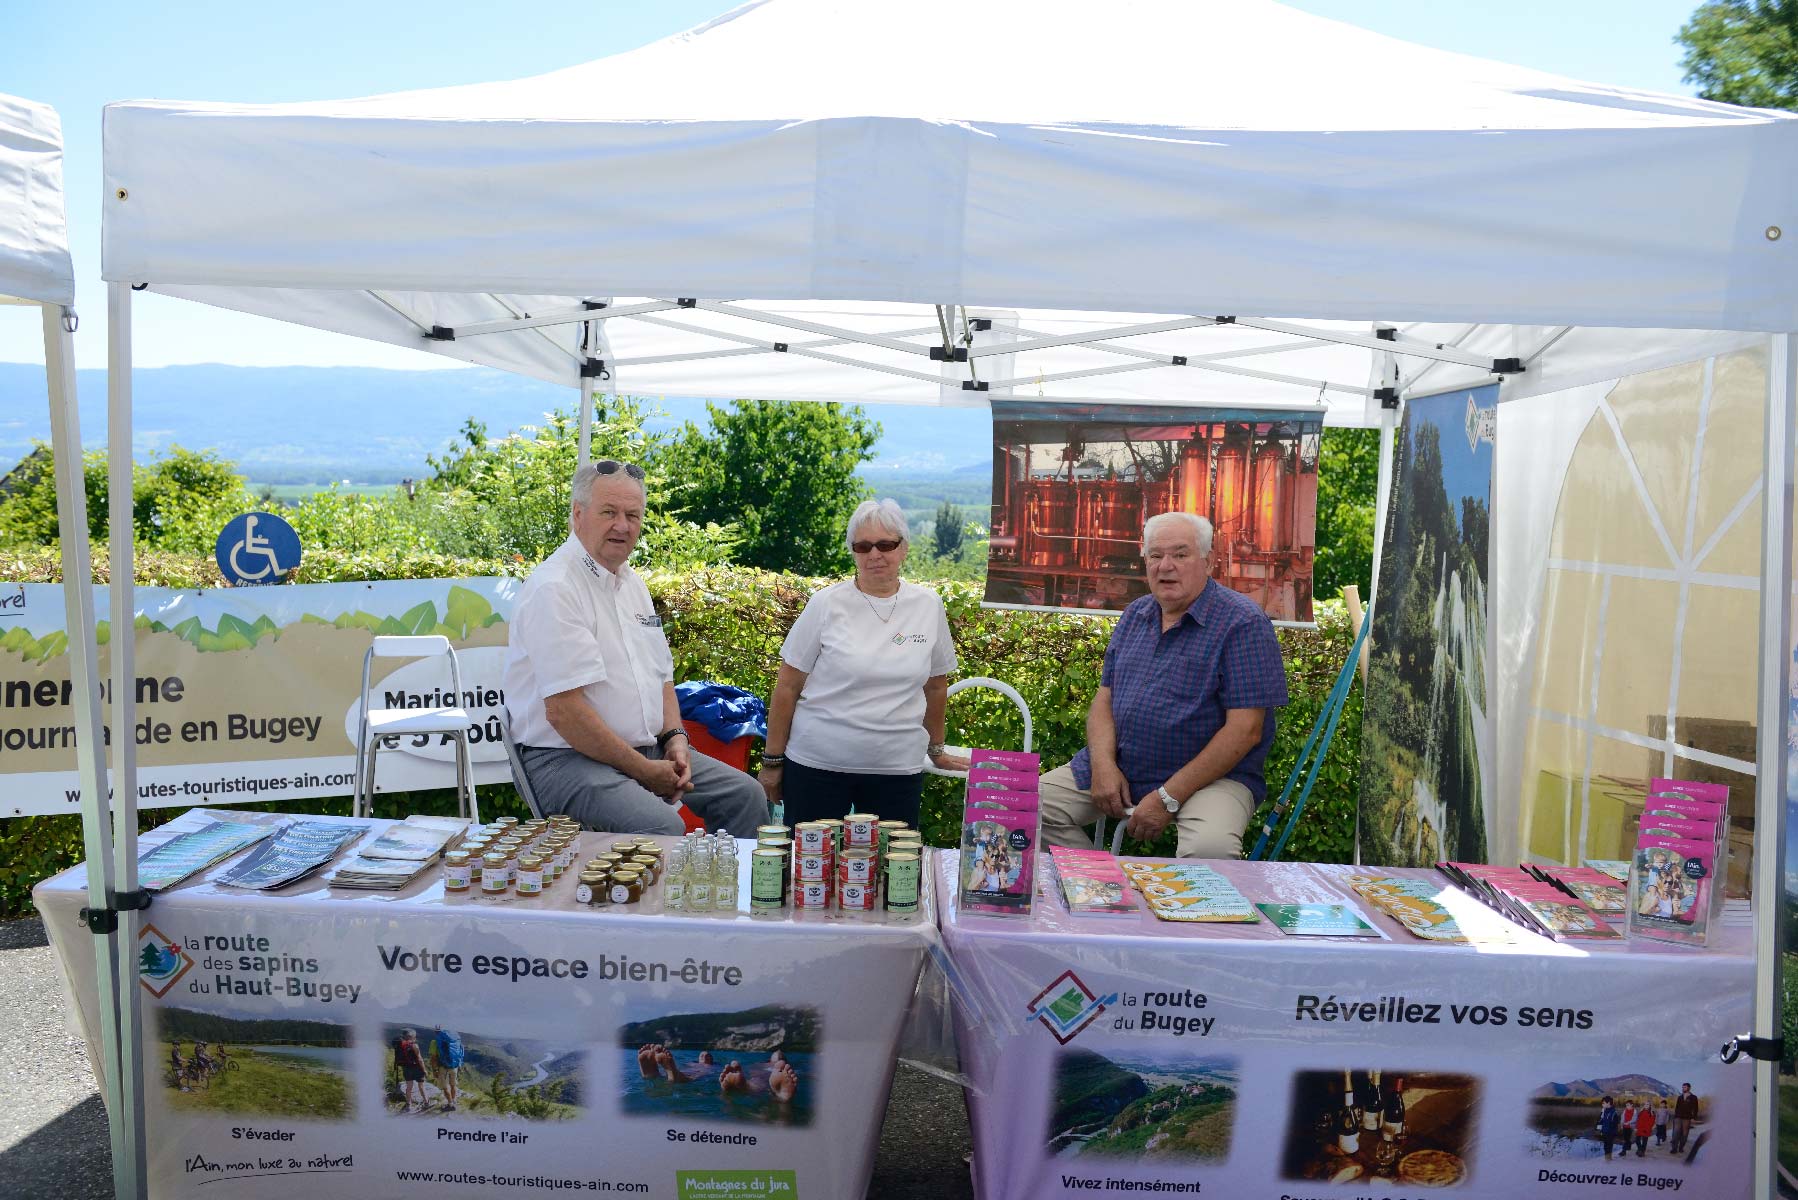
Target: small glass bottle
(674,881)
(724,878)
(699,876)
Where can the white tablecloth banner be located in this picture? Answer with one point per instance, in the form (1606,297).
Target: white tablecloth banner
(553,1005)
(1130,1055)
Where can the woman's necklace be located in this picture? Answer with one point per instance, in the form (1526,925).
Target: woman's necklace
(891,608)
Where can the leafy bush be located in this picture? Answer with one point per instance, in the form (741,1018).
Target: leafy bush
(727,624)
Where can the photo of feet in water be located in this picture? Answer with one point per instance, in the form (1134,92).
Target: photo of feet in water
(1151,1109)
(753,1065)
(440,1071)
(1664,1116)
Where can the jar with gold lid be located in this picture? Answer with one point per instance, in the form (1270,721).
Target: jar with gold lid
(458,874)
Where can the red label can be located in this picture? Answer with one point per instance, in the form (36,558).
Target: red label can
(811,893)
(855,897)
(809,866)
(857,866)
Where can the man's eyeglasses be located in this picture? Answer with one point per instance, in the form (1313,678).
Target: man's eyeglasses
(607,466)
(885,546)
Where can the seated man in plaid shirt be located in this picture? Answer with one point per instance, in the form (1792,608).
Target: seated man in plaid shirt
(1180,727)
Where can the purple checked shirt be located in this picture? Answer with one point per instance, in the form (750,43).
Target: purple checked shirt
(1169,691)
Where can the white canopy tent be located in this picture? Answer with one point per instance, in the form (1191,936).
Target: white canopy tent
(35,270)
(940,203)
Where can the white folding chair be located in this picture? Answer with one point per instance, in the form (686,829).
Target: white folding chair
(1004,689)
(385,726)
(520,780)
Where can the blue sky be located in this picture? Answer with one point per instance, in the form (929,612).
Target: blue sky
(78,57)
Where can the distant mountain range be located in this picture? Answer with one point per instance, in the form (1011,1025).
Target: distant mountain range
(1615,1085)
(316,424)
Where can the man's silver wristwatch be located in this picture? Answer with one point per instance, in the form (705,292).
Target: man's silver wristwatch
(1172,805)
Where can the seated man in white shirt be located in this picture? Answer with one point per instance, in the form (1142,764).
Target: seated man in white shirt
(590,682)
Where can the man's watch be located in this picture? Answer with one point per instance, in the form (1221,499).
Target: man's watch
(1172,805)
(668,735)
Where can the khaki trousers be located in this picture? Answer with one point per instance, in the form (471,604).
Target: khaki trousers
(1209,825)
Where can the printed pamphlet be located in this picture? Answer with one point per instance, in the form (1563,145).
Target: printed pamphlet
(1318,920)
(186,853)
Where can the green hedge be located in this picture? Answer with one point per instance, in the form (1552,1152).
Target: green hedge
(727,624)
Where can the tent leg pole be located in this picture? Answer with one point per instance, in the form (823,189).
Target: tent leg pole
(124,716)
(90,741)
(1772,710)
(1382,502)
(585,453)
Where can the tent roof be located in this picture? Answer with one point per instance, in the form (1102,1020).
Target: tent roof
(1040,158)
(34,236)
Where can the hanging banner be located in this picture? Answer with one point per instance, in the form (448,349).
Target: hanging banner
(1073,485)
(1426,750)
(437,1046)
(253,693)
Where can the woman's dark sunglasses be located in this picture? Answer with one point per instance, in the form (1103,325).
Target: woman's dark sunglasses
(885,547)
(607,466)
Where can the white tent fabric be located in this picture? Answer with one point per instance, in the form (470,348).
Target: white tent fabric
(34,236)
(805,198)
(935,152)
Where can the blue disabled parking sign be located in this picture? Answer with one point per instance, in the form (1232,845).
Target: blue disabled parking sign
(257,548)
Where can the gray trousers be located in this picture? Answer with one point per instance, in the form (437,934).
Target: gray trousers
(605,798)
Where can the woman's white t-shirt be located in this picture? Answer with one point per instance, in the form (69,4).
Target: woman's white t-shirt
(862,708)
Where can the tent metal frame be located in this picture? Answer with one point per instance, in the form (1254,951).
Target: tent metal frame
(116,950)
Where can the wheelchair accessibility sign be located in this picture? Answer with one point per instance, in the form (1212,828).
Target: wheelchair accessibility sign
(257,548)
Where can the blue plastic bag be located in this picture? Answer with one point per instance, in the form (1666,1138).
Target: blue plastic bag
(727,713)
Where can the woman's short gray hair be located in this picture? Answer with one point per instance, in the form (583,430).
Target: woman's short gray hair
(1201,528)
(882,512)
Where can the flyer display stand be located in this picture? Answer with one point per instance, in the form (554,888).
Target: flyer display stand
(419,1043)
(1129,1054)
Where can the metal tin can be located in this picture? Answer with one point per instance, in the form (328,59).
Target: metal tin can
(529,876)
(765,831)
(855,897)
(458,875)
(903,873)
(811,893)
(859,830)
(905,843)
(812,837)
(857,866)
(767,880)
(808,865)
(887,829)
(496,873)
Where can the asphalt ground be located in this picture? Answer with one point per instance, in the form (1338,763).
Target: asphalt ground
(54,1140)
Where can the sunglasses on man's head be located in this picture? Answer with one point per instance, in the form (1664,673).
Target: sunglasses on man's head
(607,466)
(885,546)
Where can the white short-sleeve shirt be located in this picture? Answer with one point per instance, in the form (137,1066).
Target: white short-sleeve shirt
(577,625)
(862,709)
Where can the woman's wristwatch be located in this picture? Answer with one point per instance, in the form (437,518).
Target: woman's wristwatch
(935,748)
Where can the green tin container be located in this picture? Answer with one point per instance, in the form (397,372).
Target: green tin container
(903,874)
(767,880)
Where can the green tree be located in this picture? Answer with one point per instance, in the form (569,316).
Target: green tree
(180,500)
(1743,52)
(506,497)
(950,533)
(783,473)
(1348,480)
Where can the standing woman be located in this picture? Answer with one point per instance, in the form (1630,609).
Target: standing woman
(864,676)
